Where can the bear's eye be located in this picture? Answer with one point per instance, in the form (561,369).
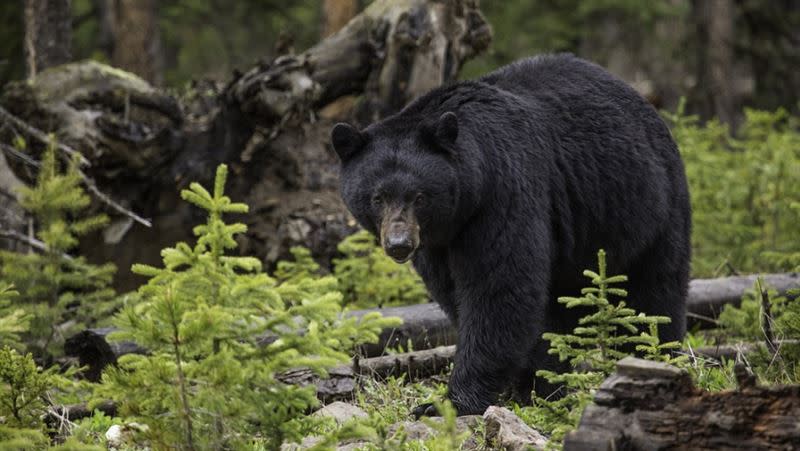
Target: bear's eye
(377,200)
(420,199)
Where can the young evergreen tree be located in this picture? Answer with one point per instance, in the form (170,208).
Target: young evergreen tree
(602,337)
(60,293)
(13,320)
(27,393)
(209,381)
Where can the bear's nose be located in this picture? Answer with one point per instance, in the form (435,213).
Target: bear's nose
(398,247)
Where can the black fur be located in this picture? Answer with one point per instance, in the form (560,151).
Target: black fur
(553,159)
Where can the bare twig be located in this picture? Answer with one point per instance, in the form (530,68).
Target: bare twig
(9,150)
(766,318)
(41,136)
(88,181)
(30,241)
(7,194)
(703,318)
(92,187)
(732,351)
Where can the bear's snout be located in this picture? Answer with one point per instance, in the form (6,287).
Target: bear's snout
(399,246)
(400,235)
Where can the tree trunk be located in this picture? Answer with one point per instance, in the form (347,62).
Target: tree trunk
(106,16)
(48,34)
(336,14)
(137,43)
(715,62)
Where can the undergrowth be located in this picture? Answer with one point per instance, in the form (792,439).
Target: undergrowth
(220,330)
(745,191)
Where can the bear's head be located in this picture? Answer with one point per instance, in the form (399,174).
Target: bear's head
(400,180)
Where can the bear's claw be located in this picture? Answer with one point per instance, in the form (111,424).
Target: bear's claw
(425,410)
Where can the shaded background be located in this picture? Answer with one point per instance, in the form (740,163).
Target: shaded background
(721,56)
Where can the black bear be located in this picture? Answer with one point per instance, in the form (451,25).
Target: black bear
(502,189)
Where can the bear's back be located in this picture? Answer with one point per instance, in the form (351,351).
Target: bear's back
(560,75)
(616,164)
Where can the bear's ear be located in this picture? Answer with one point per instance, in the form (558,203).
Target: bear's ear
(444,132)
(346,140)
(447,129)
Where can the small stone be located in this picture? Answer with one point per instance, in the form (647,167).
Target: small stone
(507,431)
(341,412)
(122,436)
(114,436)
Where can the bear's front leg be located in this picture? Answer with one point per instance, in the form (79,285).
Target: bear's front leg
(496,336)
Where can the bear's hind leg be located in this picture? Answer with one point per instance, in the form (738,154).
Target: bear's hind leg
(658,284)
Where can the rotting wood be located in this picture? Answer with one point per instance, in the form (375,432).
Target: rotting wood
(269,123)
(650,405)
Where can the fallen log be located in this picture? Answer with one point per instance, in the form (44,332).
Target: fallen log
(707,297)
(342,380)
(425,326)
(650,405)
(59,414)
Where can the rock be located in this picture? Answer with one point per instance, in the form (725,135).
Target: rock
(352,446)
(341,412)
(123,436)
(639,368)
(414,430)
(507,431)
(419,430)
(114,436)
(307,443)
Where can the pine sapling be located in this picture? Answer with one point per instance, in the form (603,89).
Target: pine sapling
(13,321)
(602,337)
(220,331)
(60,292)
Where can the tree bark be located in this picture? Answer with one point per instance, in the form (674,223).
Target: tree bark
(106,16)
(137,42)
(649,405)
(336,14)
(48,34)
(715,62)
